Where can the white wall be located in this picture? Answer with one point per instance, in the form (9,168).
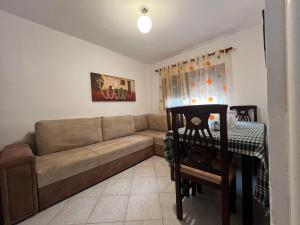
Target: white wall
(278,134)
(45,74)
(248,63)
(293,71)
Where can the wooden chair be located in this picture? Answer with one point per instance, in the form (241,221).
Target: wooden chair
(243,112)
(180,120)
(195,156)
(169,119)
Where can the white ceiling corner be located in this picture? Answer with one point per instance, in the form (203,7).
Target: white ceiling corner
(177,24)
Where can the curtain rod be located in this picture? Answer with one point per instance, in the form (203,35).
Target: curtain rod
(193,59)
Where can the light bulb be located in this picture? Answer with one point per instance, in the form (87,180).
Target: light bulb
(144,24)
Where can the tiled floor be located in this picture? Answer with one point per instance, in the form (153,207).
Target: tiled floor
(141,195)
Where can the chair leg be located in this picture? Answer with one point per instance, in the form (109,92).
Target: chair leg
(199,188)
(194,188)
(233,196)
(185,188)
(172,171)
(230,155)
(225,207)
(178,197)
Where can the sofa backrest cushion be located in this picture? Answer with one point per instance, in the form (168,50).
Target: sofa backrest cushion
(158,122)
(57,135)
(141,122)
(117,126)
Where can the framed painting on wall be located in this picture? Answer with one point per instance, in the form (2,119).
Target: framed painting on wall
(110,88)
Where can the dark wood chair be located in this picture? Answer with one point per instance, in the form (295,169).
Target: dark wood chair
(169,118)
(195,156)
(181,121)
(179,118)
(243,112)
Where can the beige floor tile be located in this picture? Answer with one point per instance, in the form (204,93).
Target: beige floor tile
(45,216)
(164,184)
(168,205)
(162,171)
(117,187)
(75,211)
(145,222)
(143,172)
(94,191)
(109,209)
(177,222)
(143,207)
(144,185)
(124,174)
(197,210)
(207,208)
(195,207)
(156,201)
(147,162)
(160,161)
(113,223)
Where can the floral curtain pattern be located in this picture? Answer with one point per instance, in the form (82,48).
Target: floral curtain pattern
(205,80)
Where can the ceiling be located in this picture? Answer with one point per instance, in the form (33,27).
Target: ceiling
(177,24)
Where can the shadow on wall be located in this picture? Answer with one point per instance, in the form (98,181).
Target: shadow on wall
(29,138)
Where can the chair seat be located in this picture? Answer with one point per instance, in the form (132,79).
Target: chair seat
(210,177)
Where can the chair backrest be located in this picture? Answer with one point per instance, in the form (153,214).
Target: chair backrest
(199,146)
(243,112)
(179,117)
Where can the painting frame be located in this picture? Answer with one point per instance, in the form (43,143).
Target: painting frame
(108,88)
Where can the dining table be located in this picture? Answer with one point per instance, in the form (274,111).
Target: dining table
(248,140)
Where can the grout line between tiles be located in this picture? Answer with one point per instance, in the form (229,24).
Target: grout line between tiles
(160,207)
(161,214)
(98,199)
(59,211)
(125,221)
(106,183)
(129,195)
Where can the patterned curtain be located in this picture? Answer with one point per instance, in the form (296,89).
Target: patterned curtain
(205,80)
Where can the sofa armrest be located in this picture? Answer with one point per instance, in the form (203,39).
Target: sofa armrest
(18,185)
(16,154)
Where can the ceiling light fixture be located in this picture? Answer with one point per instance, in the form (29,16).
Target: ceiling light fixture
(144,22)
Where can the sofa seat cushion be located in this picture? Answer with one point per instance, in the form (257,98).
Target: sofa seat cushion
(60,165)
(117,126)
(108,151)
(57,135)
(158,136)
(138,142)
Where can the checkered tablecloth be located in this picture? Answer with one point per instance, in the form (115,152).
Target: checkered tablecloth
(246,138)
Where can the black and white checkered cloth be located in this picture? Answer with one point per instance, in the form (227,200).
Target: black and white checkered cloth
(246,138)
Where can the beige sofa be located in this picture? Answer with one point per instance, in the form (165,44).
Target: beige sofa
(74,154)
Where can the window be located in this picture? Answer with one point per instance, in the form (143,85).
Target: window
(204,81)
